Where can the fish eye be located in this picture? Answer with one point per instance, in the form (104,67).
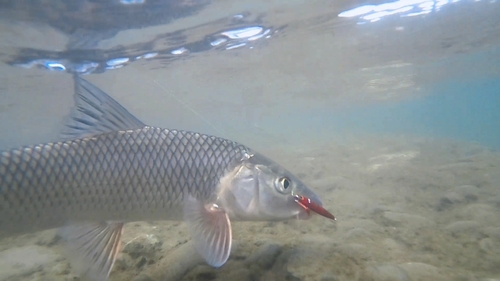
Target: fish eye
(283,184)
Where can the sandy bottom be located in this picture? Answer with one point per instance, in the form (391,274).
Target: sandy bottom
(407,210)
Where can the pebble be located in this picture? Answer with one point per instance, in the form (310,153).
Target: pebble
(460,227)
(365,224)
(176,263)
(61,268)
(37,276)
(482,213)
(494,200)
(378,208)
(23,261)
(281,268)
(312,240)
(451,197)
(386,273)
(354,250)
(144,245)
(47,238)
(329,277)
(487,245)
(141,262)
(414,221)
(204,273)
(304,261)
(419,271)
(468,193)
(357,233)
(458,195)
(72,277)
(123,262)
(265,255)
(492,232)
(142,277)
(392,245)
(241,274)
(328,183)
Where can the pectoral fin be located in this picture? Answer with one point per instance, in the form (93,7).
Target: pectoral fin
(211,231)
(93,247)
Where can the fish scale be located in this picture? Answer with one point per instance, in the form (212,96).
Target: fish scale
(44,185)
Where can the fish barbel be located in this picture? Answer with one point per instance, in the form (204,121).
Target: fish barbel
(109,168)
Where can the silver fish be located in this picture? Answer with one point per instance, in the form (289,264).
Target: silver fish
(110,168)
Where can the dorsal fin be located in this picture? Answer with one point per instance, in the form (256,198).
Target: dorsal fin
(95,112)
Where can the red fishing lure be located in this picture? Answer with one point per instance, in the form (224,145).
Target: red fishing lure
(307,204)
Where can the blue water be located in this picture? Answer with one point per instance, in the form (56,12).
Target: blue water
(468,111)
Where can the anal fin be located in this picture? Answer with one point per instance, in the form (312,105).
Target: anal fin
(210,229)
(92,248)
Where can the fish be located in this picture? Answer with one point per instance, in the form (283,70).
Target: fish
(109,168)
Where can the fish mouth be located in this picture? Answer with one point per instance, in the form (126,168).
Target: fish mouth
(310,205)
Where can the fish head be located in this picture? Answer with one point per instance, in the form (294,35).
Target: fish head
(260,189)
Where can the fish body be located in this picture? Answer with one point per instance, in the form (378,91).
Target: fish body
(109,168)
(126,175)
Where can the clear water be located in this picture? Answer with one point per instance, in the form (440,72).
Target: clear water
(389,111)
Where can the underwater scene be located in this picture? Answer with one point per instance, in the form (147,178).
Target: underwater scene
(202,140)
